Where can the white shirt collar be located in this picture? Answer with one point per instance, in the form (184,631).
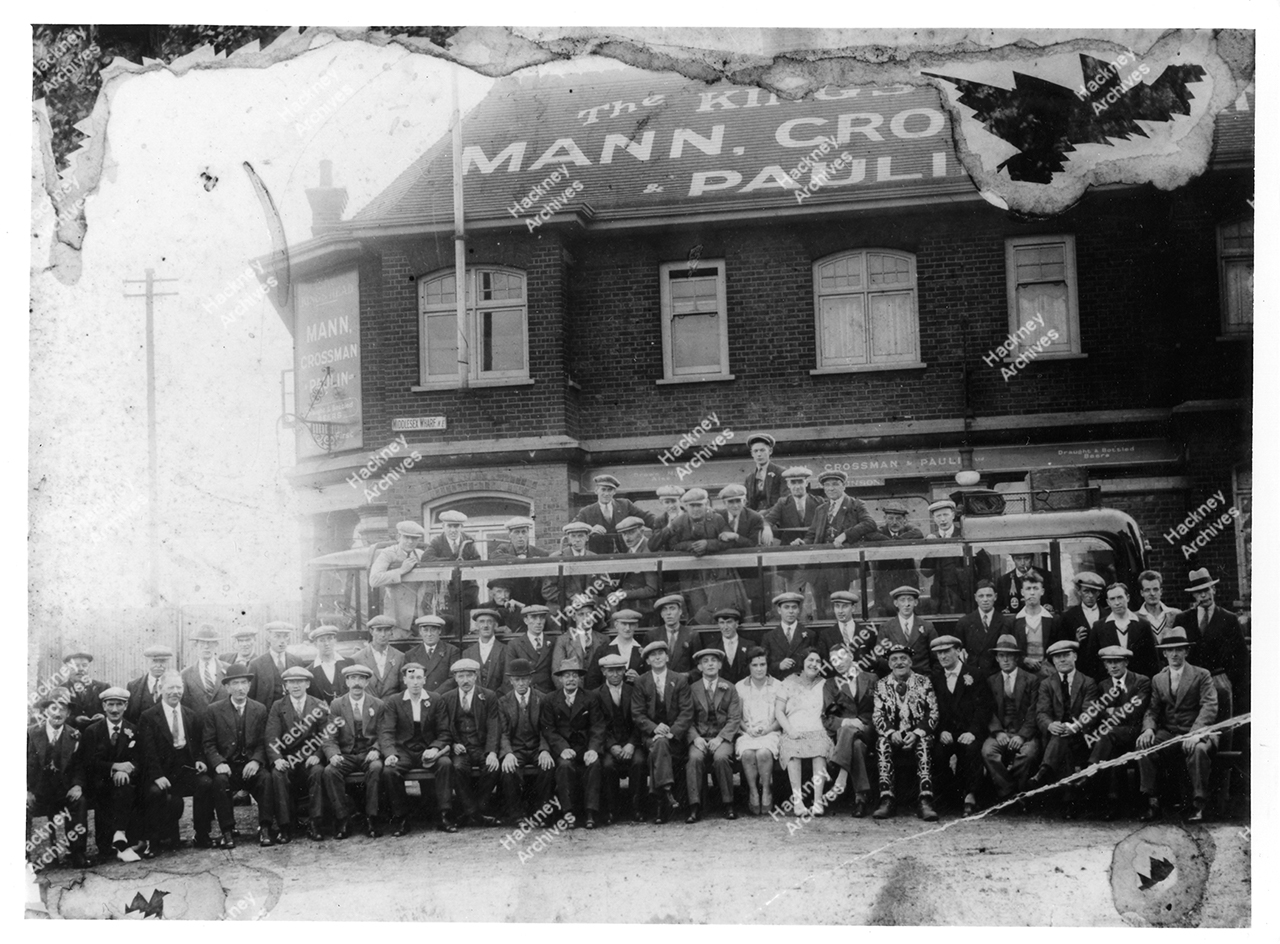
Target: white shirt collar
(52,732)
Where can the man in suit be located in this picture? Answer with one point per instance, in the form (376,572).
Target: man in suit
(412,735)
(1154,610)
(763,485)
(581,643)
(327,680)
(533,647)
(744,526)
(109,768)
(604,515)
(351,746)
(1184,701)
(469,712)
(1122,627)
(662,710)
(844,632)
(173,767)
(296,729)
(624,644)
(893,573)
(268,669)
(1009,585)
(144,691)
(734,666)
(841,521)
(908,629)
(784,642)
(963,714)
(559,591)
(680,639)
(636,590)
(716,721)
(1061,703)
(698,532)
(244,642)
(1218,644)
(86,691)
(488,652)
(905,713)
(623,753)
(1012,747)
(525,591)
(522,743)
(953,579)
(981,629)
(669,495)
(235,748)
(455,545)
(788,519)
(1036,628)
(434,656)
(574,730)
(55,785)
(501,600)
(1112,729)
(1077,620)
(401,598)
(848,701)
(383,659)
(203,678)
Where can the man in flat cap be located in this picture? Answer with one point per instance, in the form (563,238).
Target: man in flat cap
(110,765)
(469,712)
(519,546)
(623,753)
(561,590)
(1113,728)
(763,484)
(144,691)
(859,640)
(574,730)
(522,743)
(841,521)
(1217,644)
(203,678)
(791,515)
(55,778)
(295,735)
(893,573)
(624,644)
(638,589)
(680,639)
(734,666)
(715,724)
(1064,696)
(455,545)
(383,659)
(412,735)
(963,716)
(432,654)
(669,496)
(350,746)
(905,714)
(581,643)
(1012,745)
(244,642)
(953,580)
(784,642)
(1124,628)
(908,629)
(698,532)
(662,710)
(488,652)
(327,680)
(981,628)
(268,669)
(1077,620)
(743,526)
(604,515)
(535,647)
(173,767)
(502,601)
(401,598)
(235,748)
(848,703)
(86,691)
(1184,701)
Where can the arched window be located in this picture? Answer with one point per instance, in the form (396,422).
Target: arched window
(865,310)
(497,326)
(487,515)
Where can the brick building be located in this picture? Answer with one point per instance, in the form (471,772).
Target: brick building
(645,252)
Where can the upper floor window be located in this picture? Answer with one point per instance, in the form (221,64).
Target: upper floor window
(1235,275)
(1040,273)
(695,330)
(865,310)
(497,327)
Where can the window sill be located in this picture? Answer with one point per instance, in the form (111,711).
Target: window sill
(1242,336)
(867,368)
(454,385)
(695,379)
(1046,357)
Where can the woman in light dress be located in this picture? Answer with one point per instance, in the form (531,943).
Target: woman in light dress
(799,711)
(757,748)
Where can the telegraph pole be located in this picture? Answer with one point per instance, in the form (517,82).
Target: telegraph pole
(153,521)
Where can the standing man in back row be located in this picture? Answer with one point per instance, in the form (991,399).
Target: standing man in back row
(401,598)
(605,514)
(764,483)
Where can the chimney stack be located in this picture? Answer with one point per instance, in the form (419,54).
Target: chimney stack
(327,201)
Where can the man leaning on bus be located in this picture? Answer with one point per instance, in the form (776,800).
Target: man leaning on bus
(401,601)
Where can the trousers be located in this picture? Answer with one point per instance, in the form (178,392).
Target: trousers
(334,782)
(721,770)
(851,755)
(295,777)
(1009,769)
(475,794)
(393,777)
(1197,758)
(224,787)
(920,752)
(164,807)
(636,771)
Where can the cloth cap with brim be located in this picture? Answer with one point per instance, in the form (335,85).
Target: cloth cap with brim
(904,591)
(280,626)
(626,616)
(1114,652)
(485,611)
(452,517)
(430,621)
(1199,580)
(899,647)
(411,529)
(828,474)
(115,693)
(667,600)
(1089,579)
(55,694)
(1173,639)
(1007,643)
(697,656)
(518,522)
(941,504)
(574,527)
(570,665)
(789,596)
(797,472)
(416,665)
(382,622)
(296,673)
(157,652)
(465,665)
(630,523)
(945,642)
(245,634)
(894,508)
(657,645)
(238,671)
(606,479)
(536,609)
(843,596)
(729,612)
(612,662)
(519,668)
(1062,645)
(357,668)
(761,437)
(321,631)
(670,491)
(732,491)
(77,655)
(695,495)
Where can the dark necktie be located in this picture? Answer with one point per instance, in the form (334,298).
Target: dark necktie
(115,734)
(1204,619)
(902,689)
(1066,697)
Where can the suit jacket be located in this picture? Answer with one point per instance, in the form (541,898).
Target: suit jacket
(438,549)
(159,757)
(978,640)
(353,735)
(509,717)
(567,647)
(595,674)
(1026,695)
(437,664)
(580,728)
(493,670)
(220,723)
(919,711)
(865,637)
(851,519)
(484,709)
(761,498)
(782,515)
(683,532)
(676,705)
(521,648)
(777,648)
(389,683)
(527,590)
(922,634)
(574,585)
(401,599)
(736,670)
(1193,706)
(1073,620)
(679,656)
(726,720)
(965,709)
(611,542)
(395,728)
(1084,691)
(748,528)
(1123,704)
(289,733)
(195,696)
(267,686)
(97,755)
(53,770)
(1052,628)
(86,701)
(139,698)
(322,688)
(619,726)
(233,658)
(640,588)
(1141,642)
(849,698)
(1221,649)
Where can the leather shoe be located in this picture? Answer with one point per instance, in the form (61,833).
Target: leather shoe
(313,832)
(859,808)
(264,837)
(487,820)
(371,830)
(927,812)
(402,827)
(1152,812)
(730,813)
(663,814)
(670,799)
(591,820)
(343,829)
(202,842)
(285,835)
(145,851)
(695,814)
(884,810)
(969,809)
(1196,815)
(226,841)
(638,815)
(446,823)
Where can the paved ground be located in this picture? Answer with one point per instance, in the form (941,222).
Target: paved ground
(1001,870)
